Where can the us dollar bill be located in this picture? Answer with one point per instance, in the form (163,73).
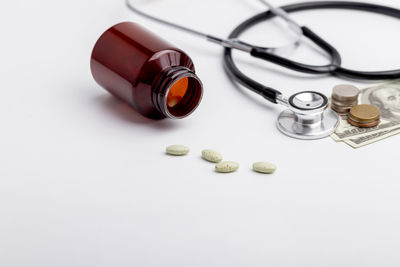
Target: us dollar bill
(346,131)
(364,140)
(386,97)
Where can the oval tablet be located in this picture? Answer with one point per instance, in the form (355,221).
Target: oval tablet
(211,155)
(264,167)
(226,166)
(177,150)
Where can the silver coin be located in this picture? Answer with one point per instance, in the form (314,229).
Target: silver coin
(343,103)
(340,109)
(345,92)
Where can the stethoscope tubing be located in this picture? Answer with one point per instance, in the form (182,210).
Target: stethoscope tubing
(334,68)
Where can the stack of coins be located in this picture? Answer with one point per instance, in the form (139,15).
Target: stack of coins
(364,116)
(344,97)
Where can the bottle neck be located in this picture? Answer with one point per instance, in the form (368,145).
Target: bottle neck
(176,92)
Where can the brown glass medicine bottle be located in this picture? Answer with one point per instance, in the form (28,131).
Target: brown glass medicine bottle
(148,73)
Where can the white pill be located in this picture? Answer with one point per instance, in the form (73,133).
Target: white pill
(264,167)
(177,150)
(226,166)
(211,155)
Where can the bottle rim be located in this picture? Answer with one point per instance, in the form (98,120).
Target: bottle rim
(191,99)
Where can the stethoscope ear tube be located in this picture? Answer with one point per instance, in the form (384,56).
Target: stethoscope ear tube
(297,66)
(367,75)
(334,68)
(308,115)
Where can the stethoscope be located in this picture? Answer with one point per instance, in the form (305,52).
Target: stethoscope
(307,116)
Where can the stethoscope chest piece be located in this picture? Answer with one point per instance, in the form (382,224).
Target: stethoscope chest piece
(308,116)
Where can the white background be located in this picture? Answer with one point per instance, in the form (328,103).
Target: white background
(84,180)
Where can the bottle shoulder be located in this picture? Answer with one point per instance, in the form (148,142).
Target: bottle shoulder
(171,57)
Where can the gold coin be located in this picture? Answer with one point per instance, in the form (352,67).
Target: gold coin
(362,125)
(364,113)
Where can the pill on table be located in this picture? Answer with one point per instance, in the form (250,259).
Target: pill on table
(226,166)
(211,155)
(177,150)
(264,167)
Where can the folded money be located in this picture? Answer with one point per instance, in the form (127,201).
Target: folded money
(386,97)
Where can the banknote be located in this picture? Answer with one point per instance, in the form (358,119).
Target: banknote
(364,140)
(345,130)
(386,97)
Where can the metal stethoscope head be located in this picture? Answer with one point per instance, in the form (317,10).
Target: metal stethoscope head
(308,115)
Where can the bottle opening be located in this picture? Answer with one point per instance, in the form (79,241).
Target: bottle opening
(177,92)
(184,96)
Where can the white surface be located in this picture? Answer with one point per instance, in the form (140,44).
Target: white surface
(84,180)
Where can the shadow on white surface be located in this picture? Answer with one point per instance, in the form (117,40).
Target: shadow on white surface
(123,112)
(258,100)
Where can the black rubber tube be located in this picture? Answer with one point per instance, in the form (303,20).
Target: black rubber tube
(334,68)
